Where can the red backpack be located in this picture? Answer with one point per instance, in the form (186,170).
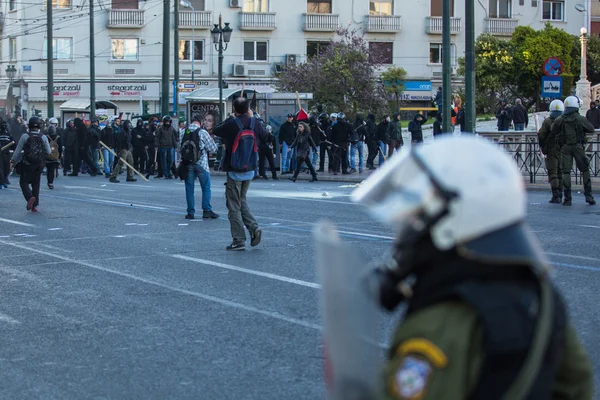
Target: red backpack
(244,154)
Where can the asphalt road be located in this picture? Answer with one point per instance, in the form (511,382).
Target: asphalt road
(109,293)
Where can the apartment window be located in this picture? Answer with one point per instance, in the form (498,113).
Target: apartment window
(500,9)
(436,8)
(383,50)
(185,50)
(553,10)
(319,6)
(256,6)
(125,49)
(521,2)
(12,49)
(125,4)
(534,3)
(255,51)
(62,49)
(12,5)
(436,53)
(381,7)
(199,5)
(59,4)
(315,48)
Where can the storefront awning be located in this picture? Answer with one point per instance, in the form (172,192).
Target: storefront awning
(84,104)
(212,95)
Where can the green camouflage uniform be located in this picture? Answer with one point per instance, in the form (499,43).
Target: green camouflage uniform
(553,158)
(570,131)
(444,342)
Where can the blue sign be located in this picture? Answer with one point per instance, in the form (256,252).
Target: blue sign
(418,86)
(26,68)
(552,86)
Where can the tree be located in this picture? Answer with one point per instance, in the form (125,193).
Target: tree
(393,81)
(342,77)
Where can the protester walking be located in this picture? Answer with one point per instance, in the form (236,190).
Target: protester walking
(241,135)
(303,143)
(5,140)
(53,159)
(30,154)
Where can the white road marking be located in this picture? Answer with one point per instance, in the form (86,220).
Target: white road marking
(4,236)
(55,229)
(54,247)
(21,234)
(10,221)
(367,235)
(249,271)
(228,303)
(88,188)
(183,224)
(119,236)
(573,256)
(8,320)
(589,226)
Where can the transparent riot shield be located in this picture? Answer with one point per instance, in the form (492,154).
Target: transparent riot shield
(351,318)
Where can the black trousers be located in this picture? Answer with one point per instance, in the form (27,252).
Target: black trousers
(32,175)
(139,159)
(340,157)
(325,148)
(51,168)
(151,161)
(373,149)
(266,152)
(299,161)
(84,155)
(4,168)
(69,159)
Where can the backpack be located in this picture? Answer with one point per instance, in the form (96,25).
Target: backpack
(54,153)
(190,147)
(34,150)
(244,153)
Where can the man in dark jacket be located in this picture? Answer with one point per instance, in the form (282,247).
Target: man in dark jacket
(165,142)
(123,149)
(317,135)
(504,116)
(108,138)
(357,143)
(287,134)
(265,152)
(416,128)
(324,146)
(95,134)
(82,149)
(5,139)
(238,183)
(341,138)
(593,115)
(520,116)
(395,134)
(139,142)
(371,141)
(383,137)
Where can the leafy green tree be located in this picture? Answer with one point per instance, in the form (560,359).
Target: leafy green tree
(393,81)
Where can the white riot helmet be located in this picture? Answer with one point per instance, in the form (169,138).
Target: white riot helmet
(572,102)
(53,121)
(461,188)
(557,105)
(333,116)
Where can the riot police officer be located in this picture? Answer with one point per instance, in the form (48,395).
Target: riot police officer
(484,320)
(551,151)
(570,130)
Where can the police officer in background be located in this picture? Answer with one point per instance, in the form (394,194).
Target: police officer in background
(570,130)
(551,151)
(484,320)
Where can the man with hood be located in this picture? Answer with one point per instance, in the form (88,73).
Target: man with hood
(416,128)
(551,151)
(395,134)
(357,143)
(504,116)
(341,138)
(593,115)
(570,130)
(82,149)
(371,141)
(138,141)
(383,137)
(70,142)
(5,139)
(123,149)
(165,141)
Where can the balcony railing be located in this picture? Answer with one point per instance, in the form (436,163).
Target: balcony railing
(434,25)
(250,21)
(321,22)
(384,23)
(126,19)
(195,19)
(501,26)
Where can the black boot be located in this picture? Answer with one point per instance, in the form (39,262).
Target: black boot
(556,198)
(314,178)
(590,199)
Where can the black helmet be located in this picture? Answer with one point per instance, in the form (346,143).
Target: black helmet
(324,117)
(166,118)
(35,123)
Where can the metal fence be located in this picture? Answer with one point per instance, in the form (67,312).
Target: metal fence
(525,150)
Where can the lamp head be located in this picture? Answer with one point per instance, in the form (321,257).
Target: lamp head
(583,31)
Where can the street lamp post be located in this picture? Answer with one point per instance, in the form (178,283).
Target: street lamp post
(11,71)
(583,85)
(187,4)
(221,34)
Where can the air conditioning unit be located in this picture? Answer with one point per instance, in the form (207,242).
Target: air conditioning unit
(240,70)
(257,71)
(290,59)
(236,3)
(279,68)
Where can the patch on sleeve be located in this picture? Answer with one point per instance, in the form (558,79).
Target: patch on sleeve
(425,348)
(412,377)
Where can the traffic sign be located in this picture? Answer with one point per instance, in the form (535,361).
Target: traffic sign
(552,86)
(553,66)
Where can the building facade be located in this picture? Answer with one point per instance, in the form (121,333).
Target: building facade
(267,36)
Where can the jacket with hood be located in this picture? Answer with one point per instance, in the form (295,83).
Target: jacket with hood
(315,132)
(571,128)
(166,136)
(416,127)
(5,137)
(94,136)
(70,138)
(123,137)
(138,136)
(505,117)
(108,136)
(593,115)
(371,128)
(395,128)
(383,131)
(287,133)
(359,133)
(83,134)
(341,132)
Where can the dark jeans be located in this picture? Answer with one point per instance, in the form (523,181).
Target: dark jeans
(194,171)
(265,152)
(139,159)
(32,175)
(4,168)
(165,160)
(51,169)
(299,162)
(151,161)
(84,155)
(325,148)
(340,157)
(372,147)
(239,212)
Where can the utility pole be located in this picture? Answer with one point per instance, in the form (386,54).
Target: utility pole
(165,58)
(50,59)
(92,64)
(176,60)
(446,71)
(469,106)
